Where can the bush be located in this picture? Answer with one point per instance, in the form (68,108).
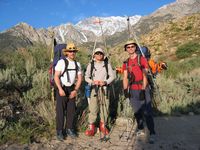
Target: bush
(186,50)
(27,130)
(175,68)
(180,95)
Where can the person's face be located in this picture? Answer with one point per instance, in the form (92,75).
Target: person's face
(99,56)
(131,48)
(71,54)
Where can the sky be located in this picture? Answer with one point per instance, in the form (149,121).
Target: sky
(46,13)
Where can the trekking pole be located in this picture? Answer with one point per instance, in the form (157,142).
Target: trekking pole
(52,55)
(101,94)
(128,27)
(102,34)
(149,71)
(129,121)
(95,43)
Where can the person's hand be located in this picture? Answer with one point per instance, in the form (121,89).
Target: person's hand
(102,83)
(62,92)
(126,93)
(164,65)
(73,94)
(96,82)
(142,95)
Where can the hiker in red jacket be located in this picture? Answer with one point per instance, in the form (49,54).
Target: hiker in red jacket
(136,88)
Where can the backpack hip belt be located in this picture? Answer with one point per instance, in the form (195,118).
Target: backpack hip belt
(137,82)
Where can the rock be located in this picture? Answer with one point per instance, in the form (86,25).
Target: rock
(121,121)
(191,113)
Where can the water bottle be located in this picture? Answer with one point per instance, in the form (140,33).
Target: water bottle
(87,90)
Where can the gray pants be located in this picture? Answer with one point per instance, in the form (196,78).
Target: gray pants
(142,109)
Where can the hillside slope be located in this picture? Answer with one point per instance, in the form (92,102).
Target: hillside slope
(164,40)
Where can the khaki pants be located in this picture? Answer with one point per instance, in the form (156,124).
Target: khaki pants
(99,101)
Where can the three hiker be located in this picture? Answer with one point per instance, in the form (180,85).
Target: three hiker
(99,74)
(136,88)
(68,78)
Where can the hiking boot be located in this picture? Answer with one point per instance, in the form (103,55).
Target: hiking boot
(140,133)
(103,129)
(60,136)
(152,138)
(91,130)
(71,133)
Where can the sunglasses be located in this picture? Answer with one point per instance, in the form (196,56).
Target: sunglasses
(72,51)
(98,53)
(130,46)
(70,48)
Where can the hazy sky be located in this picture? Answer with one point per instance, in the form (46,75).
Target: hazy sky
(45,13)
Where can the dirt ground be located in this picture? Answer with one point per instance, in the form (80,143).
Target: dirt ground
(173,133)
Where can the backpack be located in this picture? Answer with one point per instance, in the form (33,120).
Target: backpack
(145,51)
(131,77)
(87,86)
(58,55)
(105,65)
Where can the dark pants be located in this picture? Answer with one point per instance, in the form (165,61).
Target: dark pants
(65,105)
(142,109)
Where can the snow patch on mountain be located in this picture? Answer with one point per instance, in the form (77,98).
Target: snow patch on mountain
(107,25)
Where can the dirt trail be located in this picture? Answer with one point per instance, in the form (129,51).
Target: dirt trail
(173,133)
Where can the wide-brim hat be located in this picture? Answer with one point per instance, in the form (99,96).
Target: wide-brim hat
(98,50)
(128,43)
(70,47)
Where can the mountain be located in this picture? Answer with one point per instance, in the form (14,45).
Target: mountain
(22,35)
(166,13)
(91,29)
(164,40)
(113,28)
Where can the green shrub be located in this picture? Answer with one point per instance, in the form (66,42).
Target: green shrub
(26,130)
(180,95)
(41,55)
(40,88)
(177,67)
(186,50)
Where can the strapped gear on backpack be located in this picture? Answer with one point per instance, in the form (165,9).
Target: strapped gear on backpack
(59,53)
(67,70)
(145,51)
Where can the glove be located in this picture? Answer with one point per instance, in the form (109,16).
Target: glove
(164,66)
(142,95)
(126,93)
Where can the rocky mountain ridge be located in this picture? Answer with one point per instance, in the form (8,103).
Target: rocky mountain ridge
(114,28)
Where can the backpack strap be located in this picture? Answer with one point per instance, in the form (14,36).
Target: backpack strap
(139,60)
(91,69)
(105,65)
(127,68)
(67,70)
(126,63)
(76,67)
